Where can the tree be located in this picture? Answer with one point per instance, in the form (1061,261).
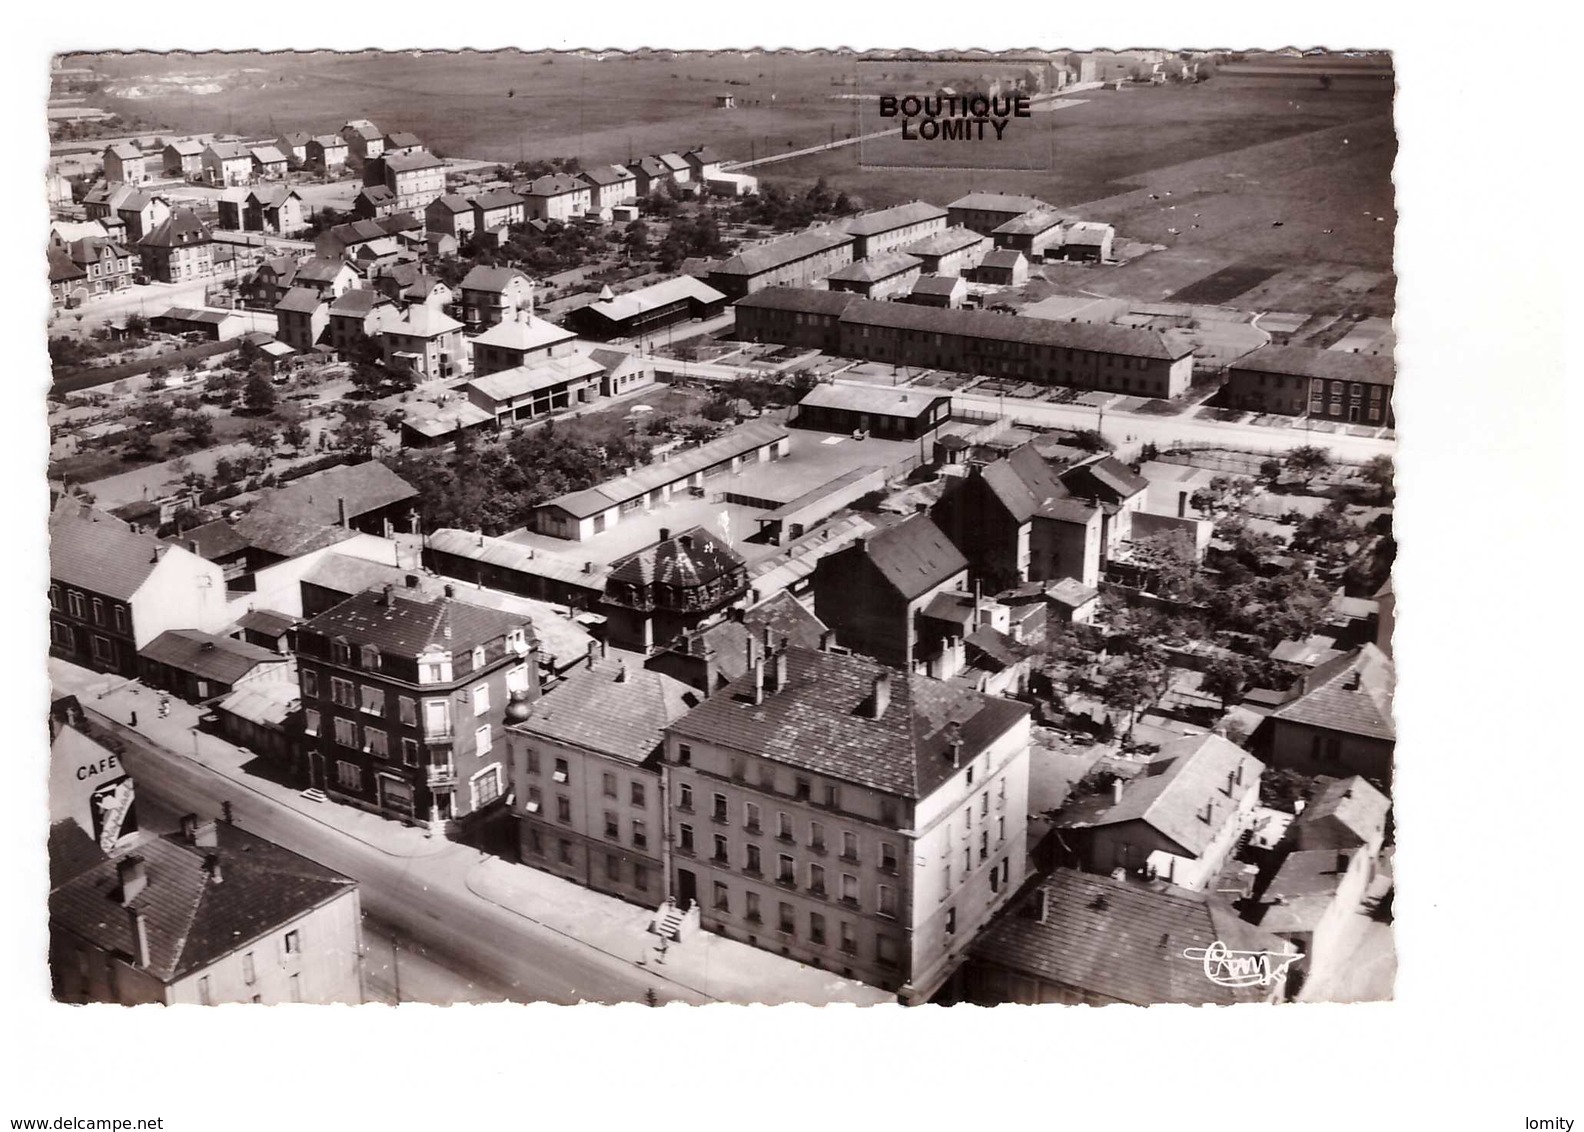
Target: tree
(198,428)
(260,435)
(1270,471)
(1135,684)
(258,394)
(359,433)
(136,325)
(294,436)
(1380,474)
(1225,678)
(1308,461)
(636,240)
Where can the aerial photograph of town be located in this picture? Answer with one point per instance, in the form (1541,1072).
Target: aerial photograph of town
(757,527)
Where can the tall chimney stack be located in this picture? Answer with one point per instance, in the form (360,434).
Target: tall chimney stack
(212,868)
(758,680)
(780,672)
(132,873)
(341,511)
(1117,786)
(593,652)
(881,697)
(140,937)
(189,828)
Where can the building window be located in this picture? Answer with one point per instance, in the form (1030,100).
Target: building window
(608,784)
(849,889)
(685,838)
(77,604)
(636,796)
(374,743)
(310,721)
(517,679)
(1000,829)
(751,816)
(984,804)
(370,658)
(886,950)
(722,898)
(293,942)
(720,850)
(685,803)
(340,651)
(833,796)
(786,870)
(346,733)
(736,768)
(535,801)
(888,857)
(409,750)
(478,658)
(535,842)
(970,774)
(849,938)
(563,808)
(817,879)
(752,900)
(481,699)
(888,811)
(849,851)
(565,851)
(342,692)
(984,845)
(951,921)
(684,754)
(349,776)
(484,740)
(310,683)
(204,995)
(888,905)
(816,928)
(560,774)
(612,867)
(612,831)
(786,920)
(640,836)
(530,760)
(801,789)
(816,837)
(752,864)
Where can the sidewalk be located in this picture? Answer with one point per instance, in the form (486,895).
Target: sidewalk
(113,700)
(710,966)
(719,968)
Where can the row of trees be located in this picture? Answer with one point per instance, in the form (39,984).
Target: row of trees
(777,208)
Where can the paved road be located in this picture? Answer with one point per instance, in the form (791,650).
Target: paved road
(425,898)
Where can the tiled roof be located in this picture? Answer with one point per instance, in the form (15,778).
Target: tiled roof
(607,175)
(496,198)
(422,321)
(1087,232)
(62,267)
(1346,814)
(819,722)
(377,194)
(1030,223)
(803,299)
(304,300)
(1105,477)
(1121,941)
(296,138)
(687,560)
(878,267)
(330,141)
(939,285)
(192,920)
(1170,797)
(1003,257)
(124,150)
(268,155)
(179,229)
(230,151)
(212,540)
(402,139)
(656,295)
(944,243)
(726,643)
(997,202)
(320,269)
(914,556)
(452,202)
(1024,483)
(364,487)
(914,212)
(785,250)
(103,557)
(273,196)
(1326,700)
(1001,650)
(703,155)
(206,655)
(531,333)
(672,161)
(877,400)
(1010,328)
(72,851)
(494,280)
(410,624)
(615,709)
(358,302)
(650,166)
(267,621)
(516,556)
(409,162)
(552,185)
(1332,365)
(286,535)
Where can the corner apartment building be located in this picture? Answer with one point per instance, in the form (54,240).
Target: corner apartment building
(1332,385)
(415,179)
(985,212)
(586,787)
(404,698)
(178,250)
(875,233)
(848,815)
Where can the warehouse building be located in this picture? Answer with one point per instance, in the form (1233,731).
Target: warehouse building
(649,309)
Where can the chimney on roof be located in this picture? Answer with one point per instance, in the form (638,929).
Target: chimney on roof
(189,827)
(1207,814)
(1042,905)
(736,613)
(593,653)
(665,534)
(920,508)
(1118,785)
(341,511)
(212,868)
(686,541)
(1354,681)
(192,545)
(206,835)
(588,567)
(880,697)
(779,673)
(621,672)
(138,922)
(132,874)
(481,537)
(827,636)
(450,590)
(758,670)
(388,595)
(954,743)
(412,581)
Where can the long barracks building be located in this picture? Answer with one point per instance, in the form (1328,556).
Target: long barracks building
(1087,356)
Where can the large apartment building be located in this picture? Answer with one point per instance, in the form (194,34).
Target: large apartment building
(848,815)
(404,697)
